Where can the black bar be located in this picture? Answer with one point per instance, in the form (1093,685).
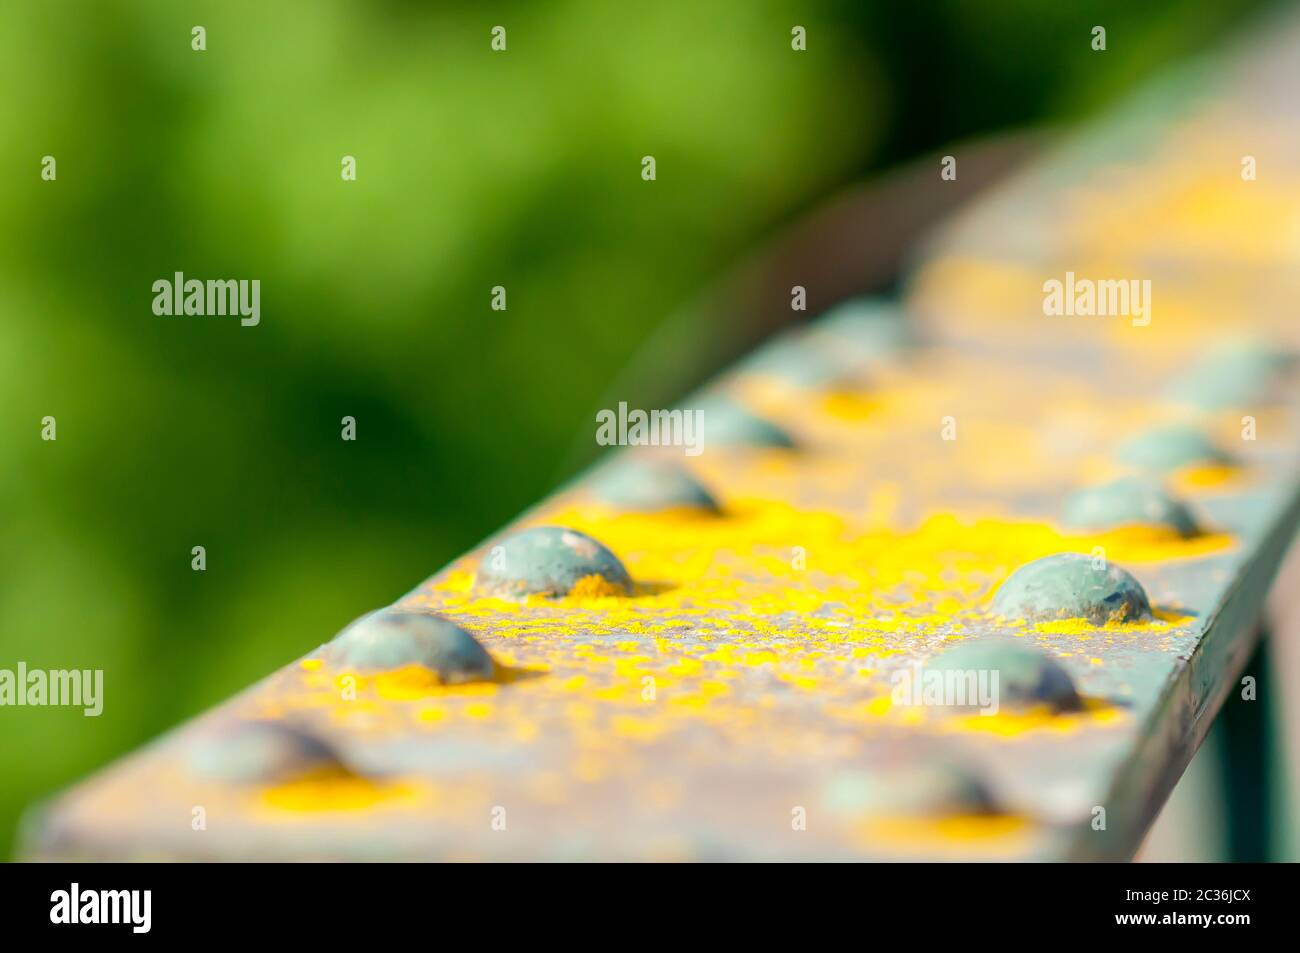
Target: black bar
(380,904)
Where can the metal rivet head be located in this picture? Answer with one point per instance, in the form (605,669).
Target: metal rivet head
(261,752)
(1026,675)
(1129,501)
(1164,449)
(1072,586)
(550,561)
(798,360)
(726,423)
(650,485)
(926,788)
(391,638)
(1237,373)
(866,329)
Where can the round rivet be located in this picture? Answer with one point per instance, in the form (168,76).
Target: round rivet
(725,423)
(795,359)
(260,752)
(549,561)
(1025,675)
(1128,501)
(866,328)
(1234,375)
(392,638)
(650,485)
(1072,586)
(932,787)
(1168,448)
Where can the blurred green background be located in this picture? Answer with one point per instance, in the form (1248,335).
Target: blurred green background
(474,169)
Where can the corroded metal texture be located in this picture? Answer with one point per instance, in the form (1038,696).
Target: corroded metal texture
(761,690)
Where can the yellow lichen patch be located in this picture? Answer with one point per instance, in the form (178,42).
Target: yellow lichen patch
(876,708)
(1205,476)
(470,690)
(414,681)
(847,405)
(686,666)
(1148,544)
(639,729)
(767,559)
(1162,619)
(1011,723)
(458,580)
(594,586)
(409,681)
(333,790)
(973,834)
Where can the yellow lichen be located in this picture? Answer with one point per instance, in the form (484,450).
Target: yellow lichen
(594,586)
(332,790)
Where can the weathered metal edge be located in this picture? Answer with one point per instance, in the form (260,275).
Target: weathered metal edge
(1178,725)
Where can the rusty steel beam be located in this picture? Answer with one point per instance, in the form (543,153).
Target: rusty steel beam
(967,576)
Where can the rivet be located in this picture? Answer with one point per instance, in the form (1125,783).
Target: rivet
(869,329)
(260,752)
(725,423)
(1164,449)
(641,484)
(1128,501)
(1235,375)
(392,638)
(1072,586)
(549,561)
(933,786)
(1026,675)
(797,359)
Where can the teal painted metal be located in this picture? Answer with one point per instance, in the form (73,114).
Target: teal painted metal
(1026,675)
(1072,586)
(548,561)
(386,640)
